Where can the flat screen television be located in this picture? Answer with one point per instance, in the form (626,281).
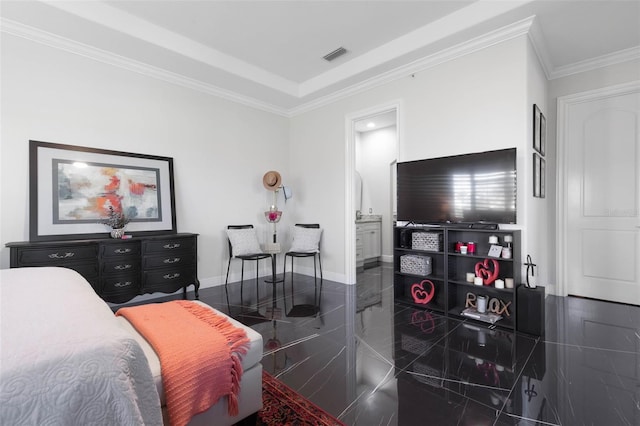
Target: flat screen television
(469,188)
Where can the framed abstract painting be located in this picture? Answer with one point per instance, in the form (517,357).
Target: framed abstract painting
(72,190)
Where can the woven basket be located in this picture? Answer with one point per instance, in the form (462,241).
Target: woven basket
(428,241)
(415,264)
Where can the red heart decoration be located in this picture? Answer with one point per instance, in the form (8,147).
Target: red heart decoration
(422,295)
(487,273)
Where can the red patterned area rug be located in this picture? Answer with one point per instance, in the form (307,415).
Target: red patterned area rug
(284,406)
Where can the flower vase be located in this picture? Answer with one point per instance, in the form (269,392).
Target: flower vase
(117,233)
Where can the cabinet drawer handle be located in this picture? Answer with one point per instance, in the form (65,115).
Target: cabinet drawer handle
(171,246)
(174,260)
(122,251)
(64,256)
(123,267)
(171,276)
(124,284)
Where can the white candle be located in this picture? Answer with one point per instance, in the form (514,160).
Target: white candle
(499,284)
(470,277)
(493,239)
(508,282)
(477,280)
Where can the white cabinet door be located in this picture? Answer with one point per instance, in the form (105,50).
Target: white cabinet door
(359,247)
(371,240)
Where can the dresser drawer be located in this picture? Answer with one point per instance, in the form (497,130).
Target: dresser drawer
(169,260)
(126,283)
(169,279)
(121,249)
(170,245)
(118,266)
(56,255)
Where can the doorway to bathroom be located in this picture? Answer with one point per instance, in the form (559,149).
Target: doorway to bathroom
(373,142)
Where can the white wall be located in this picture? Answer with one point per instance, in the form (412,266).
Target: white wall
(539,242)
(221,149)
(474,103)
(375,150)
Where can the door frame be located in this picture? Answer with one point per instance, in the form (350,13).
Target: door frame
(564,105)
(350,167)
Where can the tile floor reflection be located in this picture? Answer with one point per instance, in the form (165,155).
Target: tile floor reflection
(369,361)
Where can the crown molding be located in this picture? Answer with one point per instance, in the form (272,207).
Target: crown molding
(492,38)
(526,26)
(43,37)
(123,22)
(540,48)
(630,54)
(476,13)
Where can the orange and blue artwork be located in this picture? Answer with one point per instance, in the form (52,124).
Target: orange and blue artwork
(83,192)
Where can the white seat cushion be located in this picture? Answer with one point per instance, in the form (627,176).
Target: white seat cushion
(244,241)
(306,240)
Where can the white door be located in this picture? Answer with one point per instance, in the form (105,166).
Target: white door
(602,192)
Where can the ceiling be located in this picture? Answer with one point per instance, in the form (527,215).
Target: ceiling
(268,54)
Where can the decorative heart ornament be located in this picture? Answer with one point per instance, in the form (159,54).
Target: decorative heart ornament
(487,270)
(421,294)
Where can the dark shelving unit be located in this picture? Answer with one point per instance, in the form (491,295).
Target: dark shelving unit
(449,269)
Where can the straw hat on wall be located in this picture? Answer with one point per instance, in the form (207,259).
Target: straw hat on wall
(272,180)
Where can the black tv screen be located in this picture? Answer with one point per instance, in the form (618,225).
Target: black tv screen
(469,188)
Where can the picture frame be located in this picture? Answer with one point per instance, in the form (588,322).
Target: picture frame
(495,251)
(537,181)
(542,174)
(537,119)
(543,134)
(72,187)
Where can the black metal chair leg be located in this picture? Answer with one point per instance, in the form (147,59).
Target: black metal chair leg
(226,286)
(257,289)
(242,284)
(315,284)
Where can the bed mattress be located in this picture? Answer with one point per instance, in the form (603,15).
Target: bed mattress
(65,359)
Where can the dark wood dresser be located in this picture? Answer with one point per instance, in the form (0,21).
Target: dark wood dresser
(117,269)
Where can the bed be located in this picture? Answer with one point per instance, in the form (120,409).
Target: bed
(66,359)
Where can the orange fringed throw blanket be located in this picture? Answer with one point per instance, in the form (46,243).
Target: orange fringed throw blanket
(199,353)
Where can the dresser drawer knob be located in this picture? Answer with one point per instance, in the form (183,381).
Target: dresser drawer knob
(174,260)
(64,256)
(124,284)
(171,246)
(122,251)
(171,276)
(123,267)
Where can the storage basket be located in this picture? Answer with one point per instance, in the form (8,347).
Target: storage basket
(429,241)
(415,264)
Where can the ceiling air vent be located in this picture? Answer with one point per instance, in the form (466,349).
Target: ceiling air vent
(336,53)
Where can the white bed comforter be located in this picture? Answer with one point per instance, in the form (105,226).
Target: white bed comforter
(65,359)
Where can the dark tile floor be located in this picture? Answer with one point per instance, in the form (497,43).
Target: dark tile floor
(369,361)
